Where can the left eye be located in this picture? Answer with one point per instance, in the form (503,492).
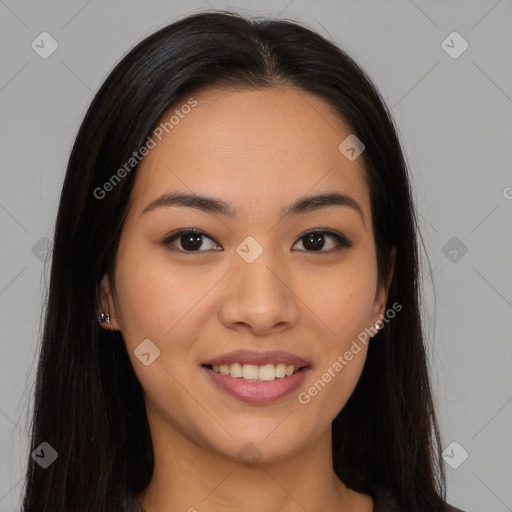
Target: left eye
(314,241)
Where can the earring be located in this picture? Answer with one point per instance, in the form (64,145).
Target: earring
(105,318)
(378,328)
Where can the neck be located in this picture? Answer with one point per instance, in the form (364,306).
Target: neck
(190,477)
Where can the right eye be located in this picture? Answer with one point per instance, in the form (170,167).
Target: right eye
(189,240)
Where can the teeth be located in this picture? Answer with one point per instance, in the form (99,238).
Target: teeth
(236,370)
(249,371)
(266,372)
(280,370)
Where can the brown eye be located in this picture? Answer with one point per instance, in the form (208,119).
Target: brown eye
(188,241)
(192,241)
(315,241)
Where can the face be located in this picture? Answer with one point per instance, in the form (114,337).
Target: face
(251,277)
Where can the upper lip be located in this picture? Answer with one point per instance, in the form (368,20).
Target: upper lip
(258,358)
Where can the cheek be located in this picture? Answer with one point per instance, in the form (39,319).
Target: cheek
(343,302)
(343,305)
(151,297)
(159,300)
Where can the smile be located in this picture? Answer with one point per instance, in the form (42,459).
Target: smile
(251,372)
(257,391)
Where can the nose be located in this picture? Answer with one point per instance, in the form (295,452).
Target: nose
(259,297)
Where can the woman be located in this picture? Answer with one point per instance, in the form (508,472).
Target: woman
(233,318)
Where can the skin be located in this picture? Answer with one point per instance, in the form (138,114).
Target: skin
(258,151)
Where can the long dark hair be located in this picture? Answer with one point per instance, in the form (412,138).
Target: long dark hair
(88,403)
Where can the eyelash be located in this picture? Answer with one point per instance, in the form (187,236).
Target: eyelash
(342,241)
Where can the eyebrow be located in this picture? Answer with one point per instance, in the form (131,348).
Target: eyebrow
(213,205)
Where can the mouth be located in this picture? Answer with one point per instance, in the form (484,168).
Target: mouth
(253,372)
(255,377)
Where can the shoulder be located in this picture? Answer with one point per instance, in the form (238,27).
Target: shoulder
(384,501)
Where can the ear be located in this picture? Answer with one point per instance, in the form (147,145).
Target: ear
(106,305)
(382,293)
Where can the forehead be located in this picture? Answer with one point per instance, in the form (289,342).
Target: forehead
(252,148)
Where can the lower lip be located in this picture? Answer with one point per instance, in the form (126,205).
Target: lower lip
(258,391)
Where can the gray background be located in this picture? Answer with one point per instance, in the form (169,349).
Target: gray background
(454,118)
